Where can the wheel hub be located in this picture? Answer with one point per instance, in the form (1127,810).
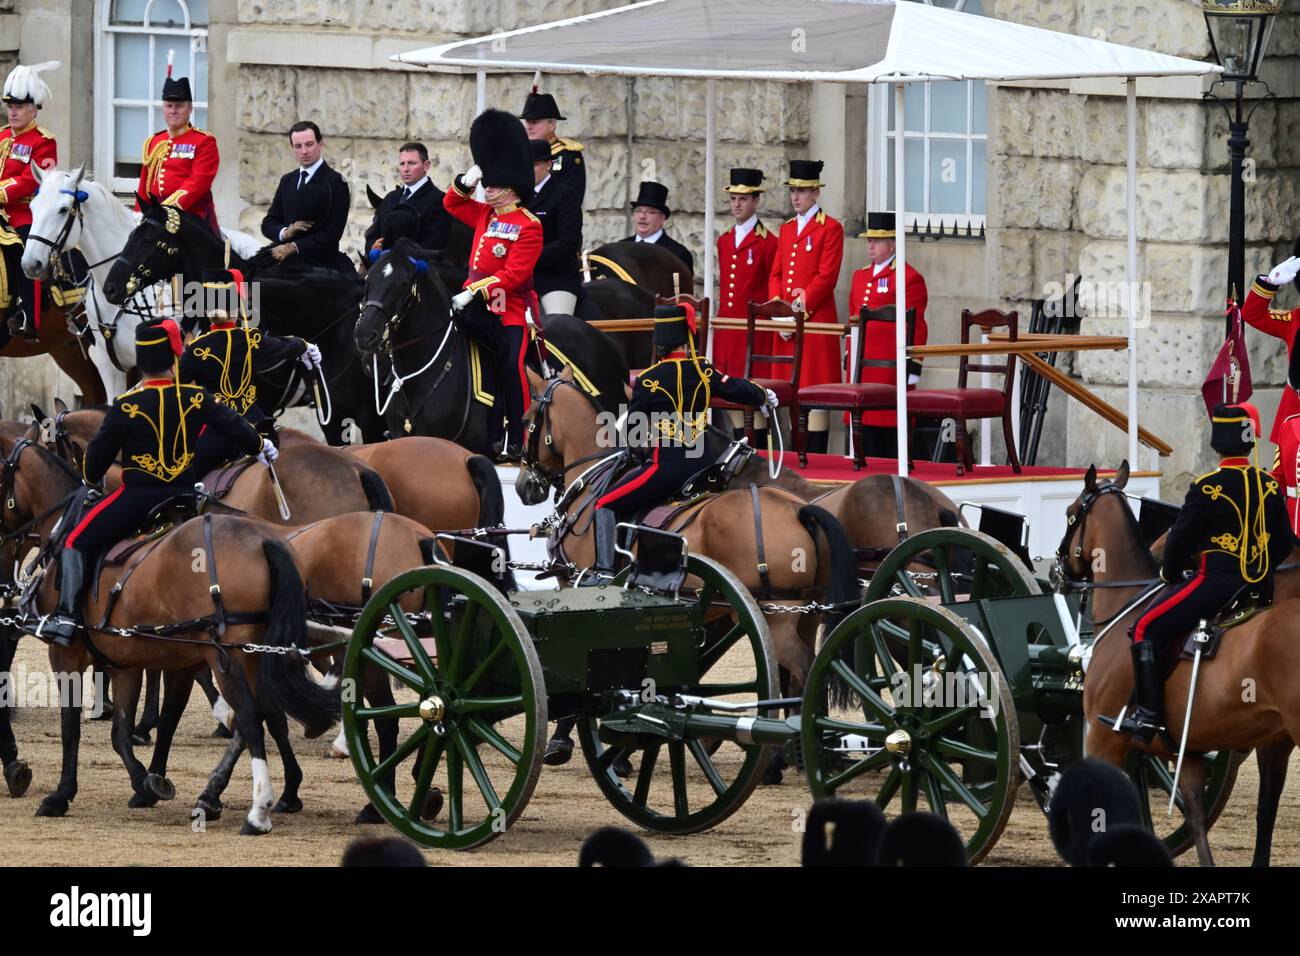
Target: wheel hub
(899,742)
(433,709)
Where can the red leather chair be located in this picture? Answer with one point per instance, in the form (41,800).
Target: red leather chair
(786,390)
(857,396)
(963,404)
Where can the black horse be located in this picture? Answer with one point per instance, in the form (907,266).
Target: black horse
(406,320)
(318,304)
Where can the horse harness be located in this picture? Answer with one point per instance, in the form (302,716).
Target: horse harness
(326,612)
(900,524)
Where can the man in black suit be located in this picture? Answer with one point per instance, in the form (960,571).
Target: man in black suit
(302,242)
(555,277)
(649,212)
(418,192)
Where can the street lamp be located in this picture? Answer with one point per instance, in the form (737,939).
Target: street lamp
(1239,32)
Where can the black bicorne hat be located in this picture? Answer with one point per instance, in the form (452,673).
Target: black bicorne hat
(744,181)
(805,173)
(177,90)
(157,345)
(880,225)
(500,149)
(674,324)
(540,106)
(654,195)
(1232,430)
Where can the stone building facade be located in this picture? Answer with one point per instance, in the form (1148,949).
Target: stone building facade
(1055,163)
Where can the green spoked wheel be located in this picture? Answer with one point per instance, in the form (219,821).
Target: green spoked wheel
(1154,778)
(470,707)
(953,563)
(906,705)
(691,783)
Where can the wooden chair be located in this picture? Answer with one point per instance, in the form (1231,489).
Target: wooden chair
(786,390)
(857,396)
(962,404)
(701,307)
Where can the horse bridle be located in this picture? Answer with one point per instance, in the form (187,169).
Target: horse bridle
(535,438)
(393,319)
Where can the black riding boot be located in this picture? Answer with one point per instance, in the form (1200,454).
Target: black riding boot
(61,626)
(1147,714)
(604,527)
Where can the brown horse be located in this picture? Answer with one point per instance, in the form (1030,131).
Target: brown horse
(246,589)
(319,481)
(60,344)
(806,553)
(1245,695)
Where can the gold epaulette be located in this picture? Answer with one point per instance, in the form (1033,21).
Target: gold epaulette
(820,218)
(45,132)
(565,145)
(529,214)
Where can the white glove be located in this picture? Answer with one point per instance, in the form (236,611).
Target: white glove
(1284,272)
(772,401)
(471,177)
(311,357)
(269,452)
(461,298)
(789,320)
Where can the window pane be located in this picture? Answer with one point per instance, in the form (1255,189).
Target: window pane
(130,67)
(915,182)
(129,11)
(947,107)
(979,162)
(130,130)
(979,106)
(199,84)
(914,106)
(166,13)
(947,176)
(198,12)
(200,117)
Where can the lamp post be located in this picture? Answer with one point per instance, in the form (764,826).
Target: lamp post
(1239,32)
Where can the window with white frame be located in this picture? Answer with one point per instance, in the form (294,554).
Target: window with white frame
(131,45)
(945,147)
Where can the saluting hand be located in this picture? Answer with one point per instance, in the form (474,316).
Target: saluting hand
(471,177)
(1284,272)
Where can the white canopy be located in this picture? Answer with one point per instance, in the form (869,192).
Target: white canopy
(840,41)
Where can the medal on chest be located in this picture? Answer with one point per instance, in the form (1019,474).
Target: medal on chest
(499,249)
(808,246)
(21,152)
(750,260)
(882,285)
(502,230)
(182,151)
(557,164)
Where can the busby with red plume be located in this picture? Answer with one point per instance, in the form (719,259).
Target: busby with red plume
(500,149)
(157,345)
(674,325)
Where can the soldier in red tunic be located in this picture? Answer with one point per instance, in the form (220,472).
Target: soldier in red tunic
(1280,323)
(804,272)
(180,162)
(745,255)
(875,287)
(498,299)
(23,145)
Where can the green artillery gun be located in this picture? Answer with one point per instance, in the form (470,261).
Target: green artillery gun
(956,680)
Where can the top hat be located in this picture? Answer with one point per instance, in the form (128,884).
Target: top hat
(745,181)
(880,225)
(805,173)
(654,195)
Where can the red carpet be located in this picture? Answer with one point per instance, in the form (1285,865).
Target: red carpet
(839,468)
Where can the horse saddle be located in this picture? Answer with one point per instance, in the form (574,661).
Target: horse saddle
(218,482)
(714,478)
(1249,600)
(660,562)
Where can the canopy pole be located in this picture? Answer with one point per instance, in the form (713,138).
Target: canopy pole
(1130,118)
(710,241)
(900,279)
(480,104)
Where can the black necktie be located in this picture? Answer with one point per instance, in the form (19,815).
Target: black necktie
(406,194)
(302,178)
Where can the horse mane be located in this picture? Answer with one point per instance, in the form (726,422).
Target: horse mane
(1134,529)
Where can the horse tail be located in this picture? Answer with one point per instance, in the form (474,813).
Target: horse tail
(377,494)
(842,587)
(491,502)
(284,684)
